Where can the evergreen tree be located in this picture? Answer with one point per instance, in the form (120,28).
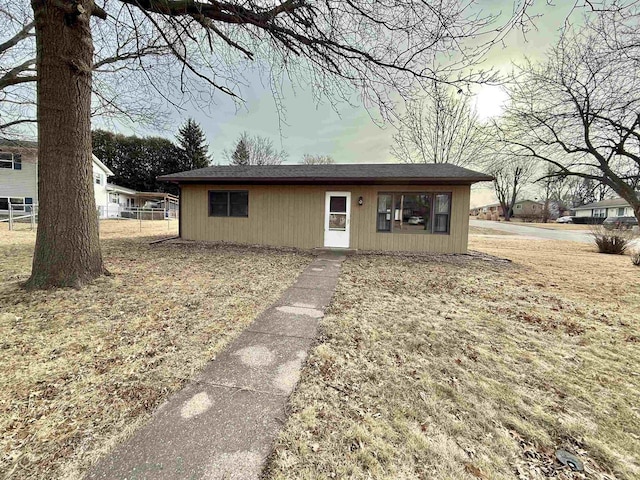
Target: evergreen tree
(240,155)
(191,140)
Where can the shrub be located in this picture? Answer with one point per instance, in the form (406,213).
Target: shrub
(614,242)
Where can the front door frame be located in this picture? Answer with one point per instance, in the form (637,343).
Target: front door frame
(337,238)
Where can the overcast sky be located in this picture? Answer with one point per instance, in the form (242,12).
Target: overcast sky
(347,133)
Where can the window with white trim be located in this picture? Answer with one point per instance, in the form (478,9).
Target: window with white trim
(17,203)
(600,212)
(12,161)
(97,178)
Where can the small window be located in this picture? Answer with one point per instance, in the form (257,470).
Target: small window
(621,211)
(17,203)
(228,204)
(10,161)
(98,178)
(6,160)
(518,207)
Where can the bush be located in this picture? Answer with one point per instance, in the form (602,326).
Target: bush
(614,242)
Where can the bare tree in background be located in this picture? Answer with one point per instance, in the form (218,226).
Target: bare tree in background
(122,61)
(308,159)
(440,126)
(509,179)
(380,49)
(255,150)
(579,110)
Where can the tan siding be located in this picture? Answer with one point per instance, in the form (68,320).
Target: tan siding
(294,216)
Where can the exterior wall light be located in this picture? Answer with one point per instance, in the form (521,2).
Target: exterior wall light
(360,201)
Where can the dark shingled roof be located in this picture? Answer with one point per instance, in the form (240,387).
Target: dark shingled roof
(354,173)
(611,202)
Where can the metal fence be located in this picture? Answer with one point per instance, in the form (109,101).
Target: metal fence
(20,214)
(114,210)
(26,215)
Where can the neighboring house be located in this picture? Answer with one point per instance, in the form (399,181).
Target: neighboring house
(18,174)
(100,174)
(122,202)
(613,207)
(402,207)
(528,208)
(19,184)
(522,208)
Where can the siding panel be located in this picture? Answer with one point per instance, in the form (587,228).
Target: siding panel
(293,215)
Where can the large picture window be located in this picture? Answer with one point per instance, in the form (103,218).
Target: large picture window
(413,212)
(228,203)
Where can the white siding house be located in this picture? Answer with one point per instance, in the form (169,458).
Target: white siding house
(100,174)
(19,175)
(613,207)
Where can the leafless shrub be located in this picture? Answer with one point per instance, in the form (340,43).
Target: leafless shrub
(613,242)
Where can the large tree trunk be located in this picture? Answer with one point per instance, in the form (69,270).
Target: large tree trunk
(67,251)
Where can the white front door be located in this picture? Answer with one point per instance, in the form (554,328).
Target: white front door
(337,213)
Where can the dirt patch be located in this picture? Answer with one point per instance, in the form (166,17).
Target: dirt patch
(471,369)
(83,368)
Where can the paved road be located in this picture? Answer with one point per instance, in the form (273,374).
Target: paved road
(519,229)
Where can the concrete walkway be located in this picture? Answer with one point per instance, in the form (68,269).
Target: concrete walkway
(222,425)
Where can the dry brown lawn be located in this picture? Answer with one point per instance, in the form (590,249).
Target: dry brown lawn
(487,231)
(560,226)
(82,368)
(464,368)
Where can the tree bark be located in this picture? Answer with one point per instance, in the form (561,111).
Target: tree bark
(67,251)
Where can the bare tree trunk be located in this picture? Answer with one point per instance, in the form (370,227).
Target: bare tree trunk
(67,251)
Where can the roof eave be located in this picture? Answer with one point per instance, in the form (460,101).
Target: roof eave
(328,180)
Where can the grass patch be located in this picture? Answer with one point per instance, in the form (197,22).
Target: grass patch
(466,369)
(487,231)
(83,368)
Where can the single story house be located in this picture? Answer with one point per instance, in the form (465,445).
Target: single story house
(401,207)
(522,208)
(612,207)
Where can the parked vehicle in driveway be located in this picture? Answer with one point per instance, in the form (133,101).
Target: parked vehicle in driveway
(564,220)
(622,223)
(415,220)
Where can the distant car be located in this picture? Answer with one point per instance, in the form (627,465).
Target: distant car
(564,220)
(415,220)
(622,223)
